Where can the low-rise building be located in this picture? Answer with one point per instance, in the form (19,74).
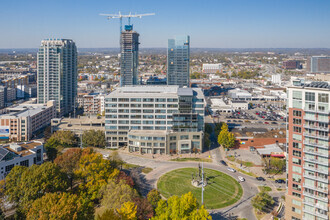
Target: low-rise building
(20,154)
(92,103)
(20,122)
(212,68)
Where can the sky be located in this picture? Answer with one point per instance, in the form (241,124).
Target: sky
(210,23)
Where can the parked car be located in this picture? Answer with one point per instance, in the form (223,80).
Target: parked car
(223,163)
(241,178)
(259,178)
(279,181)
(231,170)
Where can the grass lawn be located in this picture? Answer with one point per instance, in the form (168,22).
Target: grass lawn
(192,159)
(244,163)
(222,190)
(264,188)
(146,170)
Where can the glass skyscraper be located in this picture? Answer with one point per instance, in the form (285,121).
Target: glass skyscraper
(57,74)
(129,56)
(178,56)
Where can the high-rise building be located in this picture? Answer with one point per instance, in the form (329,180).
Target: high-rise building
(155,119)
(178,57)
(129,56)
(308,150)
(318,64)
(57,74)
(291,64)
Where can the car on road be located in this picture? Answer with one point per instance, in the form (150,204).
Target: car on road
(231,170)
(259,178)
(223,162)
(241,178)
(279,181)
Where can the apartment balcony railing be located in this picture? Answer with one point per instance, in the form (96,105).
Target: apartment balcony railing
(316,161)
(312,135)
(324,180)
(316,188)
(316,127)
(324,199)
(316,205)
(315,213)
(315,169)
(326,112)
(316,144)
(316,153)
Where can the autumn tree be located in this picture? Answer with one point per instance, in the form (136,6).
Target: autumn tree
(184,207)
(226,138)
(36,181)
(95,172)
(94,138)
(262,201)
(113,195)
(144,209)
(55,206)
(127,211)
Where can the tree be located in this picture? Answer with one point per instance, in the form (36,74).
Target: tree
(262,201)
(127,211)
(144,209)
(184,207)
(154,197)
(58,141)
(277,163)
(61,206)
(95,172)
(226,138)
(113,195)
(69,162)
(94,138)
(108,214)
(36,182)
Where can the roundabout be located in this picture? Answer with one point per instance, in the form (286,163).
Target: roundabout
(220,191)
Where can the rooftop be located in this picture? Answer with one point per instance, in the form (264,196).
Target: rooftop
(268,149)
(23,149)
(24,110)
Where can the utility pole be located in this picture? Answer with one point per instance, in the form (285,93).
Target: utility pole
(202,183)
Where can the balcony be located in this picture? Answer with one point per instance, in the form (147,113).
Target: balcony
(315,170)
(316,205)
(324,180)
(316,145)
(314,135)
(325,112)
(316,188)
(317,161)
(319,215)
(316,127)
(316,153)
(324,199)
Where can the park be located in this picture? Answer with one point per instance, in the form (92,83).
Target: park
(220,191)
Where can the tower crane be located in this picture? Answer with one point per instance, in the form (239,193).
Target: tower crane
(129,16)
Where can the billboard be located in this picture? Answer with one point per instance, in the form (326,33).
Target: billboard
(4,132)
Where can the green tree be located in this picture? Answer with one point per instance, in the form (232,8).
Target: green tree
(184,207)
(262,201)
(277,164)
(35,182)
(127,211)
(108,214)
(55,206)
(154,197)
(94,138)
(113,195)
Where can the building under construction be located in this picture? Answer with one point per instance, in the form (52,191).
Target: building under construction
(129,56)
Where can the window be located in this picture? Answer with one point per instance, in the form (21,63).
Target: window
(173,138)
(296,161)
(24,163)
(296,169)
(297,95)
(184,137)
(296,194)
(296,153)
(323,97)
(196,136)
(296,210)
(297,121)
(296,202)
(296,113)
(297,137)
(9,167)
(297,129)
(296,145)
(310,96)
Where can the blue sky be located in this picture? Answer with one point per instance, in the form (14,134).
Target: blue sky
(210,23)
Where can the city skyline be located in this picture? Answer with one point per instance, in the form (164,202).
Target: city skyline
(217,24)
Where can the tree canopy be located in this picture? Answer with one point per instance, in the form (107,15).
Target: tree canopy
(94,138)
(226,138)
(54,206)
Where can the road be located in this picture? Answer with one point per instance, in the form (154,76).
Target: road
(241,209)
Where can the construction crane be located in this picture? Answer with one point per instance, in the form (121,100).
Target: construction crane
(129,16)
